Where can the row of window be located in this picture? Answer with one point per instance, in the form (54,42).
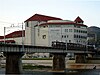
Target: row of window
(79,41)
(75,30)
(76,26)
(68,30)
(79,31)
(61,26)
(79,36)
(65,36)
(75,36)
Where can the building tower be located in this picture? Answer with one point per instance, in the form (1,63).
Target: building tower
(30,27)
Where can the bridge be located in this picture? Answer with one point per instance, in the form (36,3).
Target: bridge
(14,52)
(58,48)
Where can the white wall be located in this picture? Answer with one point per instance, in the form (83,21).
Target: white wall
(39,36)
(54,34)
(30,33)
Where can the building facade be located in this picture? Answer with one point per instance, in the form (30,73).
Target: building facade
(41,30)
(32,29)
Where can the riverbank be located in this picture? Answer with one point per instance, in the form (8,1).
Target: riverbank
(70,64)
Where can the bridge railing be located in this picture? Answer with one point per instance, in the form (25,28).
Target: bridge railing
(28,48)
(57,48)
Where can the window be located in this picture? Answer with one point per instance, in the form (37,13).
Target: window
(44,36)
(79,31)
(85,31)
(64,36)
(75,36)
(66,30)
(70,30)
(79,36)
(75,30)
(69,41)
(44,26)
(27,25)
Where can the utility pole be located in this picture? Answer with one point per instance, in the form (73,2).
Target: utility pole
(4,34)
(22,38)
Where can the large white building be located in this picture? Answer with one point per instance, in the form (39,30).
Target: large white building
(41,30)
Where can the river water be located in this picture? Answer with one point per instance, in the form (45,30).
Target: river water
(66,72)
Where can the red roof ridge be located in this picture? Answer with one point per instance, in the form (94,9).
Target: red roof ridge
(78,20)
(15,34)
(40,17)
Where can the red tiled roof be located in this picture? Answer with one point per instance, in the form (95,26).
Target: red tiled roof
(78,19)
(39,17)
(62,23)
(15,34)
(8,41)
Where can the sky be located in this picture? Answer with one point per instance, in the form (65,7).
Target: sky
(17,11)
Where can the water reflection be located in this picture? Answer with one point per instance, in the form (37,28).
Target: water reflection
(66,72)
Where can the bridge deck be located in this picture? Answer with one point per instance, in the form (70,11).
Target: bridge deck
(37,49)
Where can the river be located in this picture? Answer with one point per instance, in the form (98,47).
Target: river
(66,72)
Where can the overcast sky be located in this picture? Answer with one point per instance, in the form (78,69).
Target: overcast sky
(17,11)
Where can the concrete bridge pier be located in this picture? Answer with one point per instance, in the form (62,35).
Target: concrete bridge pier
(58,61)
(13,62)
(80,58)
